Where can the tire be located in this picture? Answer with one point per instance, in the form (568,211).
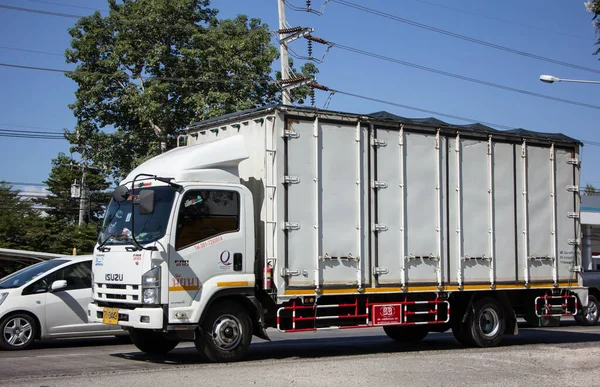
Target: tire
(226,333)
(460,329)
(411,334)
(487,323)
(152,343)
(18,331)
(589,315)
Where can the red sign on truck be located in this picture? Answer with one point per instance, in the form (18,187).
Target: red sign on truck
(387,314)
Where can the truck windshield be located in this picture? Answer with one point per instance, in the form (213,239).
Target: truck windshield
(116,229)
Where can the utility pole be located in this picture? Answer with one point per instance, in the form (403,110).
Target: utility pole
(83,194)
(283,51)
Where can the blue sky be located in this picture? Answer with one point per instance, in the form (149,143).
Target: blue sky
(561,30)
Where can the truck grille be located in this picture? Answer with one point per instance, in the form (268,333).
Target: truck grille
(117,293)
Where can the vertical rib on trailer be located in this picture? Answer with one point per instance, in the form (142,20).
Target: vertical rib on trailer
(270,237)
(359,207)
(317,232)
(402,208)
(491,212)
(525,215)
(458,214)
(554,220)
(438,187)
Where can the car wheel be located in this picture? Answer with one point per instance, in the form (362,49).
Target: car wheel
(18,331)
(588,316)
(226,333)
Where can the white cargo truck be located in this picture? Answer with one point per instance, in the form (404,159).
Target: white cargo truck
(301,219)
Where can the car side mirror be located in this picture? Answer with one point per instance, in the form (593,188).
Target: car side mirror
(146,202)
(58,285)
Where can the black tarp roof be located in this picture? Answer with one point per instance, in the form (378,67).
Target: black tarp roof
(383,116)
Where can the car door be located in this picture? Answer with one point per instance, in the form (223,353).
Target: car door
(66,309)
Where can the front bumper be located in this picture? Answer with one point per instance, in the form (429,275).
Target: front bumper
(142,318)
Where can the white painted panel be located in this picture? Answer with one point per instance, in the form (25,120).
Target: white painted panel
(504,213)
(389,210)
(475,210)
(565,204)
(340,202)
(421,206)
(301,202)
(540,212)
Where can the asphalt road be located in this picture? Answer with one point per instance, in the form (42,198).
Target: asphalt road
(568,355)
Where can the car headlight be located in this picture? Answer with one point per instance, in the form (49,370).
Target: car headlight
(3,297)
(151,286)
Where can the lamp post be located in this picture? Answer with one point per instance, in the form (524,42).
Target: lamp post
(552,79)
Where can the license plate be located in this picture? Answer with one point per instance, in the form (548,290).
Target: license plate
(110,316)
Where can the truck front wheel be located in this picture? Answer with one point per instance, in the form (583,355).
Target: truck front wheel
(153,343)
(226,333)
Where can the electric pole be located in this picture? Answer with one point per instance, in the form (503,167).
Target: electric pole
(83,194)
(283,51)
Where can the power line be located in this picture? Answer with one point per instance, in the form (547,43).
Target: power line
(34,51)
(167,79)
(67,5)
(463,37)
(8,131)
(40,137)
(31,10)
(500,20)
(462,77)
(31,127)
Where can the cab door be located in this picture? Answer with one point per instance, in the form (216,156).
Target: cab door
(210,241)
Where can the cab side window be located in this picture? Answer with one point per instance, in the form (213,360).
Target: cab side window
(204,214)
(78,276)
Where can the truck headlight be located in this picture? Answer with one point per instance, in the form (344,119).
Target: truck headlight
(150,296)
(151,286)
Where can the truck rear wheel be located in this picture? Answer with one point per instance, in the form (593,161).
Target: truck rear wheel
(486,323)
(588,316)
(411,334)
(152,343)
(226,333)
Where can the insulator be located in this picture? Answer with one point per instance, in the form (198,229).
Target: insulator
(312,96)
(310,49)
(307,5)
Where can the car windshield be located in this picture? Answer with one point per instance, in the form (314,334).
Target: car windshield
(29,273)
(116,229)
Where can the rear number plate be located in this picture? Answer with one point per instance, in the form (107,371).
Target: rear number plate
(110,316)
(387,314)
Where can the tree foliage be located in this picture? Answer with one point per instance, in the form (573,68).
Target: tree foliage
(151,67)
(60,206)
(20,223)
(593,7)
(590,189)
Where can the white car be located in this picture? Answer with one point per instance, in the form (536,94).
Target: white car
(49,300)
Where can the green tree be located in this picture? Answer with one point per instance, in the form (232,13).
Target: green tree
(151,67)
(593,7)
(590,189)
(20,223)
(60,206)
(62,211)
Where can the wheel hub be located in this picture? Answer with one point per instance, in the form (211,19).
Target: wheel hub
(227,332)
(17,332)
(489,322)
(591,312)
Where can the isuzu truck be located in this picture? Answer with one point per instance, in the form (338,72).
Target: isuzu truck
(301,219)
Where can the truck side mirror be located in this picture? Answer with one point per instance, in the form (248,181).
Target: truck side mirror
(146,202)
(120,193)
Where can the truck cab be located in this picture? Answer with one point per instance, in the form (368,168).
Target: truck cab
(178,234)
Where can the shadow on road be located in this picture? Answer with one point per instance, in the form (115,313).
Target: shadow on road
(103,341)
(370,345)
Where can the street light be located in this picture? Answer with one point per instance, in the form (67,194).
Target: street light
(552,79)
